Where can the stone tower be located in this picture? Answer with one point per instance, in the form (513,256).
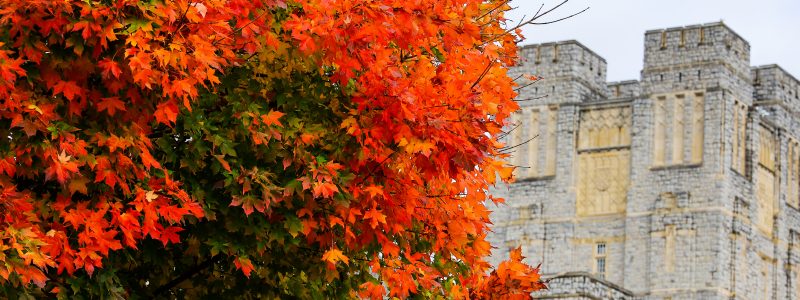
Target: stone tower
(682,185)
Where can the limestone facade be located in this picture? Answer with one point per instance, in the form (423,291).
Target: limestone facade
(684,184)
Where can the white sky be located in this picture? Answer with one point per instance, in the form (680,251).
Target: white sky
(615,28)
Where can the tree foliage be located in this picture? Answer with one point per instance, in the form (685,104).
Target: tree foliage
(253,148)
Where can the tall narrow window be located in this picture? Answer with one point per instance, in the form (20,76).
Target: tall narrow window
(766,179)
(552,130)
(600,259)
(533,144)
(660,131)
(670,234)
(677,128)
(698,121)
(739,137)
(516,139)
(793,184)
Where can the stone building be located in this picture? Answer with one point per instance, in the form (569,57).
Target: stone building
(682,185)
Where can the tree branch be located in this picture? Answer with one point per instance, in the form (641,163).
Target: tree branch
(187,275)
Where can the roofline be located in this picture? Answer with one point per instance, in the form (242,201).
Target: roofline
(621,82)
(711,24)
(564,42)
(776,66)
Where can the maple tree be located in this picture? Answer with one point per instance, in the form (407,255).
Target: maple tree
(254,148)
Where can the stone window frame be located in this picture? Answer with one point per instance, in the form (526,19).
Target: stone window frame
(600,259)
(793,173)
(741,128)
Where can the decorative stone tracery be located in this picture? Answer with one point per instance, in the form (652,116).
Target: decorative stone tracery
(603,161)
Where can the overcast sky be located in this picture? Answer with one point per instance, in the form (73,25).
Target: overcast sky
(615,28)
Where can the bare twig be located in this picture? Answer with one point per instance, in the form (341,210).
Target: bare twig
(532,20)
(504,149)
(188,274)
(506,133)
(530,99)
(526,85)
(485,71)
(493,9)
(558,20)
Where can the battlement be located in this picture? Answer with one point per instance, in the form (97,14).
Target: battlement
(698,34)
(568,68)
(771,83)
(628,89)
(544,51)
(696,46)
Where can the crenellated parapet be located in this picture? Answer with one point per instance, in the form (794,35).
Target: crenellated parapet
(570,72)
(699,57)
(773,85)
(628,89)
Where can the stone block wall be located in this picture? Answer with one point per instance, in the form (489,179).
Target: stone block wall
(629,89)
(682,185)
(577,285)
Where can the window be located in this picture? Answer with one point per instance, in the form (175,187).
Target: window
(601,266)
(793,184)
(552,130)
(698,127)
(739,138)
(600,259)
(766,179)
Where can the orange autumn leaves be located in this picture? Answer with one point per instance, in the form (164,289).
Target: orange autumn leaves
(430,86)
(127,66)
(90,87)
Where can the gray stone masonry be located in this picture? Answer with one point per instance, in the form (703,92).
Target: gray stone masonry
(583,286)
(684,184)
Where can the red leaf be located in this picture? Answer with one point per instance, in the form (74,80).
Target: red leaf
(61,168)
(167,113)
(221,160)
(109,67)
(333,256)
(147,159)
(325,189)
(271,118)
(68,88)
(170,235)
(111,105)
(244,264)
(375,217)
